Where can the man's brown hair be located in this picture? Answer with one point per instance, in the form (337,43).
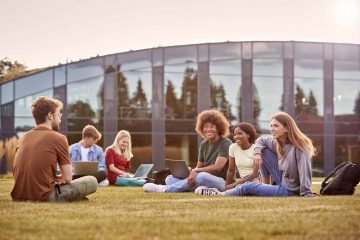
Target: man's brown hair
(42,106)
(91,131)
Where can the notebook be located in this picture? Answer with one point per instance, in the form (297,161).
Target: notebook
(178,168)
(86,168)
(143,171)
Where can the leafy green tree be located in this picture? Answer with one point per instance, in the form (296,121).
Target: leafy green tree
(80,114)
(124,109)
(312,104)
(10,70)
(189,94)
(299,101)
(139,101)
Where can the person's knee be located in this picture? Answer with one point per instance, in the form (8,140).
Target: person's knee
(201,177)
(169,179)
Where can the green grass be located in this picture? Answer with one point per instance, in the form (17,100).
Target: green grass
(130,213)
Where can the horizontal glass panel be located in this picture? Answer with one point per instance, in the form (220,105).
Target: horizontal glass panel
(7,92)
(84,70)
(134,60)
(183,54)
(308,50)
(135,125)
(23,124)
(347,97)
(182,146)
(232,67)
(347,52)
(23,105)
(34,83)
(309,97)
(346,70)
(180,68)
(308,68)
(268,67)
(224,51)
(347,147)
(225,94)
(267,50)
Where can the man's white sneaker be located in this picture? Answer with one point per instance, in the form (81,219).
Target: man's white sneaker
(104,183)
(152,187)
(203,190)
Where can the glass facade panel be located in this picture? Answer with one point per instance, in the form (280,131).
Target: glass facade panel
(180,91)
(346,70)
(142,150)
(176,55)
(203,53)
(60,76)
(34,83)
(134,60)
(267,67)
(225,51)
(85,104)
(225,96)
(308,68)
(24,120)
(308,50)
(84,70)
(183,146)
(309,97)
(231,68)
(7,92)
(267,50)
(347,52)
(267,95)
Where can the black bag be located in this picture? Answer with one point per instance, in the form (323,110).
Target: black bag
(159,176)
(345,178)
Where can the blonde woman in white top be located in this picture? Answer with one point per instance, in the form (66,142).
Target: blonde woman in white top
(241,154)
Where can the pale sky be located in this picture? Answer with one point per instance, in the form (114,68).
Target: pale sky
(41,33)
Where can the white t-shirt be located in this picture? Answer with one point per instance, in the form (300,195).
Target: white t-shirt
(244,159)
(84,154)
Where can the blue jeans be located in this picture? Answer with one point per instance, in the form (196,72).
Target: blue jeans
(202,179)
(270,167)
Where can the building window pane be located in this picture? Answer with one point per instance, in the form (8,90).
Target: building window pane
(176,55)
(308,50)
(224,51)
(346,70)
(182,146)
(346,52)
(267,50)
(267,94)
(7,92)
(84,70)
(32,84)
(60,76)
(308,68)
(267,67)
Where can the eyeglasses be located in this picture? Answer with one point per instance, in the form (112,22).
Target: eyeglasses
(58,114)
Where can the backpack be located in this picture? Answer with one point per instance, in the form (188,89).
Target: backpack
(345,177)
(160,176)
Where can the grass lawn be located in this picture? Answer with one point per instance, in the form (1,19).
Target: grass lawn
(130,213)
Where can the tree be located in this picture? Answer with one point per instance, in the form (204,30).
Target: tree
(123,96)
(139,101)
(312,105)
(173,106)
(299,100)
(188,97)
(9,70)
(357,104)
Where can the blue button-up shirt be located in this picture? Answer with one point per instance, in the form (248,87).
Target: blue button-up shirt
(95,154)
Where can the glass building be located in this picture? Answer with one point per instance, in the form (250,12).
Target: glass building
(156,94)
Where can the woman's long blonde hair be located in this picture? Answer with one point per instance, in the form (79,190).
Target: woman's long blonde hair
(115,146)
(293,135)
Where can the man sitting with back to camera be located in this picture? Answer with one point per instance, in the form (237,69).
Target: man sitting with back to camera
(87,150)
(38,152)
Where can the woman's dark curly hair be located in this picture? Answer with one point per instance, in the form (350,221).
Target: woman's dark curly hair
(214,117)
(248,129)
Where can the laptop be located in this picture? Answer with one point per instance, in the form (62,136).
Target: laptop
(143,171)
(86,168)
(178,168)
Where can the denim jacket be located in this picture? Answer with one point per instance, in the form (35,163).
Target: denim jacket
(95,154)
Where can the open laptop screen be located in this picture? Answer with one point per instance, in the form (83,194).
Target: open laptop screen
(143,170)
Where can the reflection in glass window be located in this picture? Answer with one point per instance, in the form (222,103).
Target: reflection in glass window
(84,103)
(84,70)
(23,116)
(232,67)
(309,97)
(180,92)
(346,52)
(141,148)
(267,50)
(225,96)
(347,97)
(7,92)
(224,51)
(183,54)
(268,95)
(33,84)
(346,70)
(267,67)
(183,147)
(134,94)
(59,76)
(308,50)
(308,68)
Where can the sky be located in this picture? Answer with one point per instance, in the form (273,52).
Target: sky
(42,33)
